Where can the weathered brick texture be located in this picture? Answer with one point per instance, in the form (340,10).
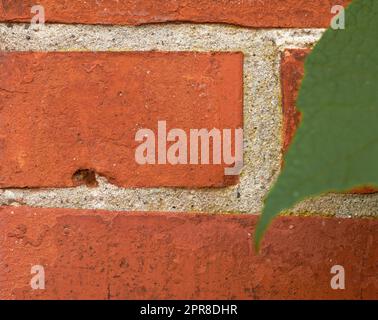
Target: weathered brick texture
(66,117)
(107,255)
(250,13)
(67,113)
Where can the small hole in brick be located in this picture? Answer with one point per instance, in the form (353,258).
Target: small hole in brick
(85,176)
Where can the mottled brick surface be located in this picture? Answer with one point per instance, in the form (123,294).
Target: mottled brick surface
(251,13)
(78,112)
(123,255)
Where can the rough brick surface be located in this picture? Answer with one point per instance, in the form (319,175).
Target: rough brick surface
(292,72)
(252,13)
(67,115)
(108,255)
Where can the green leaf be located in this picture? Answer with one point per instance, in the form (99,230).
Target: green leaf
(336,146)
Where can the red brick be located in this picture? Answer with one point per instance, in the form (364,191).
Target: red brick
(292,72)
(64,112)
(369,273)
(251,13)
(122,255)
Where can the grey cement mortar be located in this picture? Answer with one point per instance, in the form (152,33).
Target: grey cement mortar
(262,117)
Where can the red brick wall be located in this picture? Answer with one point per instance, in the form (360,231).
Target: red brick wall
(69,116)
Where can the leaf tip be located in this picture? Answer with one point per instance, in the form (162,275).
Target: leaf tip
(261,227)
